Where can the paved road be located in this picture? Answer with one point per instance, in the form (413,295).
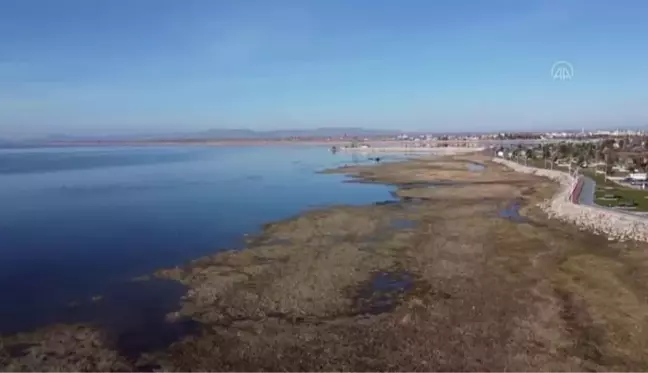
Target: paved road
(586,196)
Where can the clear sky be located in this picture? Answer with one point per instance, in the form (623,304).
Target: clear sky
(150,66)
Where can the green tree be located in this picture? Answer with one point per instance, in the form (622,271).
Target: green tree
(546,151)
(564,150)
(610,159)
(591,152)
(529,153)
(581,159)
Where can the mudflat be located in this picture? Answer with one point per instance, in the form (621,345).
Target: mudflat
(461,272)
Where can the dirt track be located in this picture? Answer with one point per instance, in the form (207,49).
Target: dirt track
(447,279)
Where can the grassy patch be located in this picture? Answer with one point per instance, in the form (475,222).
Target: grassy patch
(620,195)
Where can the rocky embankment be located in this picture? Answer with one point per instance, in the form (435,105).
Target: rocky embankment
(616,225)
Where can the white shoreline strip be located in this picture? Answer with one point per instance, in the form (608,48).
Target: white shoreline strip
(439,150)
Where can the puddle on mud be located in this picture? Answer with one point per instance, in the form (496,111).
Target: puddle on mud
(403,201)
(395,200)
(392,281)
(408,201)
(512,212)
(427,184)
(412,200)
(382,292)
(476,167)
(386,202)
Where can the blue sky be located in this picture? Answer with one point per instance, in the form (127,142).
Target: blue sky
(151,66)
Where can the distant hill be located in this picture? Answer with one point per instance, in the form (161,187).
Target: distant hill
(276,134)
(225,134)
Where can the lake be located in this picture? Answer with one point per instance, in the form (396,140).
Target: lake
(77,223)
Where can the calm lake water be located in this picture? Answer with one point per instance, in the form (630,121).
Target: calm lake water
(78,222)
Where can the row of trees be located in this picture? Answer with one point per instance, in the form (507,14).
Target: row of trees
(631,153)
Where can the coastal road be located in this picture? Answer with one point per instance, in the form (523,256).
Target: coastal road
(586,196)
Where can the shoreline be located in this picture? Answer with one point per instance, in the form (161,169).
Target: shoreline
(437,150)
(303,141)
(370,284)
(404,144)
(615,225)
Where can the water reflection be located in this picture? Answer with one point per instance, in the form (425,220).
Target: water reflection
(76,222)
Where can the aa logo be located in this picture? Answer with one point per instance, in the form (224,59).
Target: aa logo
(562,70)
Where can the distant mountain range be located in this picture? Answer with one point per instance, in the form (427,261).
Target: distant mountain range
(318,132)
(231,134)
(225,134)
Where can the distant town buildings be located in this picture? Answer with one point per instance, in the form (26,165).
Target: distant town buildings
(561,135)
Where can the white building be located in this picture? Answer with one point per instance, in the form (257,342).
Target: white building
(639,176)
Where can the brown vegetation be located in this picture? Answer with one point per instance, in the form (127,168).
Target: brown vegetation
(439,281)
(60,348)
